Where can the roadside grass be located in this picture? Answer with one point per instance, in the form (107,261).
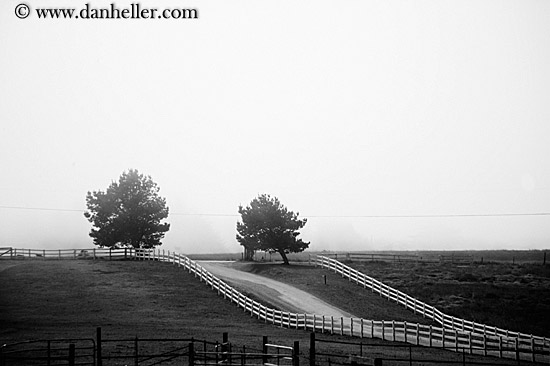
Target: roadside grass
(47,299)
(336,291)
(43,299)
(510,296)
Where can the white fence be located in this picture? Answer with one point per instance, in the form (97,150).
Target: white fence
(479,333)
(490,342)
(95,253)
(452,339)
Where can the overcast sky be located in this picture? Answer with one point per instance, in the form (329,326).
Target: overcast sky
(341,109)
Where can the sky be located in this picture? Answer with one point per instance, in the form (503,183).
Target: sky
(389,125)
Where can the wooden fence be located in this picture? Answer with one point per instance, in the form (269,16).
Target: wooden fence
(401,257)
(372,257)
(95,253)
(5,251)
(145,351)
(467,333)
(455,334)
(535,349)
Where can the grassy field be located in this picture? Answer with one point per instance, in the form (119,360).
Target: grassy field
(59,299)
(43,299)
(478,256)
(511,296)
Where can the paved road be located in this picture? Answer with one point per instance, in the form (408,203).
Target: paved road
(280,295)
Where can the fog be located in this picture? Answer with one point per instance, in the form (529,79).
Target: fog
(389,125)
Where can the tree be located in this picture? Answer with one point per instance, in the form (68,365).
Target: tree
(128,213)
(270,226)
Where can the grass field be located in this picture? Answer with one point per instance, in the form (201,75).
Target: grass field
(510,296)
(43,299)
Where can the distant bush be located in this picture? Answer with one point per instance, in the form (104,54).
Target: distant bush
(467,277)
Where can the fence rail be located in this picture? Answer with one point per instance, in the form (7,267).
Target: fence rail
(145,352)
(511,346)
(95,253)
(385,257)
(454,334)
(337,352)
(467,333)
(49,352)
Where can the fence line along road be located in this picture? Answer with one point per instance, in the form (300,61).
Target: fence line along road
(506,346)
(418,307)
(414,333)
(95,253)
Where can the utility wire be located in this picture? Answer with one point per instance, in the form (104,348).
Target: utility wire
(41,209)
(314,216)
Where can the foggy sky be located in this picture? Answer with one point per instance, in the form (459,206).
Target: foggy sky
(342,110)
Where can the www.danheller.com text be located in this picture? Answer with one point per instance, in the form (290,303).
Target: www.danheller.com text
(112,11)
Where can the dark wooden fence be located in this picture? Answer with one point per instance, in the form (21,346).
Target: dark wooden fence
(326,351)
(136,351)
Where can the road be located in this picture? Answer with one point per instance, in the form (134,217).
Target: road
(278,294)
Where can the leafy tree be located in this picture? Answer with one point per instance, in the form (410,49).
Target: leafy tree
(270,226)
(128,213)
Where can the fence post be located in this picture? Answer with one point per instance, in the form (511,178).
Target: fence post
(225,348)
(264,349)
(71,354)
(136,352)
(98,345)
(296,354)
(532,349)
(110,253)
(311,349)
(74,254)
(191,354)
(59,253)
(94,254)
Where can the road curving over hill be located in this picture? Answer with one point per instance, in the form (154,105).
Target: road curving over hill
(280,295)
